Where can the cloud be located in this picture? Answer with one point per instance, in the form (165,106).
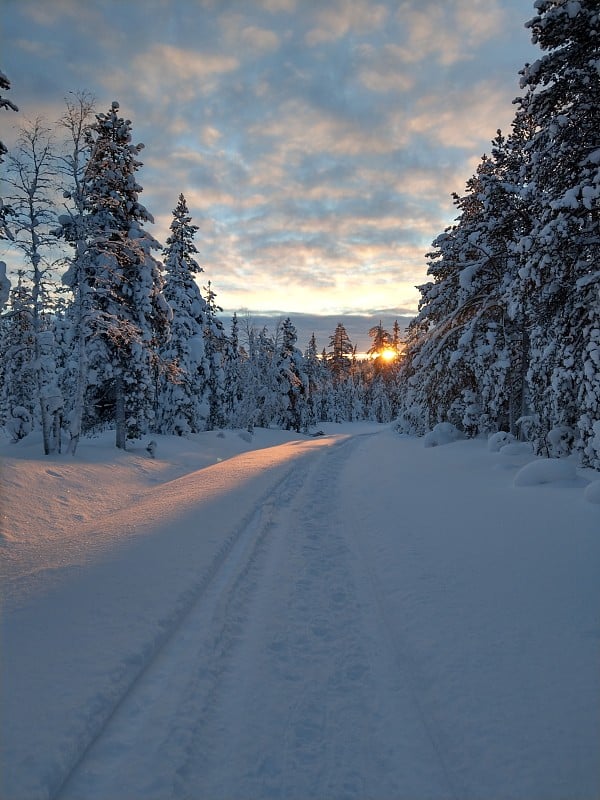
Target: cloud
(187,73)
(317,143)
(275,6)
(337,19)
(447,33)
(248,39)
(461,117)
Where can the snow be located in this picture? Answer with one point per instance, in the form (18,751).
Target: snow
(498,440)
(282,616)
(592,492)
(546,470)
(442,433)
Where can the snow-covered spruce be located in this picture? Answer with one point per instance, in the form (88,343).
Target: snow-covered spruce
(184,375)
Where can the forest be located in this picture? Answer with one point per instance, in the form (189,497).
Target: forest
(104,327)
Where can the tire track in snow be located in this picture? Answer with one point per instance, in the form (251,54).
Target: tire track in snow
(315,704)
(224,564)
(281,680)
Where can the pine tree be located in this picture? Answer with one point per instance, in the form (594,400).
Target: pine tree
(233,372)
(5,211)
(317,376)
(18,377)
(4,286)
(128,310)
(562,180)
(215,346)
(340,353)
(381,346)
(5,103)
(466,361)
(184,395)
(292,381)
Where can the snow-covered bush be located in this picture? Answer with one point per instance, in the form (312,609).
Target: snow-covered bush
(443,433)
(498,440)
(19,424)
(560,441)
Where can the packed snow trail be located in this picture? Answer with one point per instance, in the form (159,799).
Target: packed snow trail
(282,682)
(353,616)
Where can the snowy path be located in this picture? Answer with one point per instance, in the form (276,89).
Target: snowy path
(283,680)
(346,617)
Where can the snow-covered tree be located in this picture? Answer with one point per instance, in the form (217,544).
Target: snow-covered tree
(128,311)
(233,377)
(318,383)
(31,176)
(5,103)
(76,228)
(215,346)
(4,285)
(380,407)
(184,402)
(18,376)
(340,353)
(5,211)
(292,381)
(468,345)
(381,339)
(562,180)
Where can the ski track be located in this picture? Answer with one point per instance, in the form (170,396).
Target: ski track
(282,679)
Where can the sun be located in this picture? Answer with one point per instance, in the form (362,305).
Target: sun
(388,354)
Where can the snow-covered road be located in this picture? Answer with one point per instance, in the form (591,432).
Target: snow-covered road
(344,617)
(282,680)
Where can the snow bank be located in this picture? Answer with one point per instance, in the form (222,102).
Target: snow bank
(546,470)
(484,601)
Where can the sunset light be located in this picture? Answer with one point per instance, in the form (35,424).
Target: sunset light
(388,354)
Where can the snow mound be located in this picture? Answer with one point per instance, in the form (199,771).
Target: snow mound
(443,433)
(499,440)
(592,492)
(546,470)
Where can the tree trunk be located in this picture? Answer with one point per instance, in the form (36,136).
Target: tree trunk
(77,413)
(121,428)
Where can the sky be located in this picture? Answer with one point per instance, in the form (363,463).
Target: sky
(317,142)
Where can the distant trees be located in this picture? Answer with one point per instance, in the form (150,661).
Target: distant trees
(127,341)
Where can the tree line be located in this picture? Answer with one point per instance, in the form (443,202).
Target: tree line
(508,331)
(507,335)
(129,341)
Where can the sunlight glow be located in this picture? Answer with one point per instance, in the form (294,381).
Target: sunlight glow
(388,354)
